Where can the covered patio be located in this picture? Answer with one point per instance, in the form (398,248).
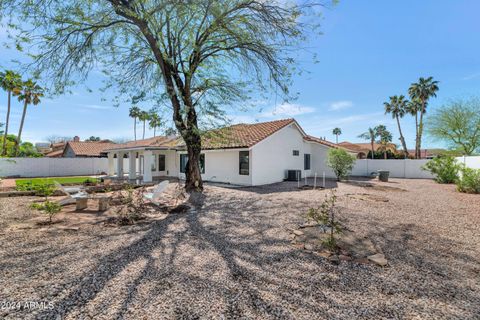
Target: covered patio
(143,161)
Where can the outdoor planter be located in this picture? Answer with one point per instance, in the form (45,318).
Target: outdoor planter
(383,175)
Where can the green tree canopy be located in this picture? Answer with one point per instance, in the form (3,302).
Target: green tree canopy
(458,124)
(197,57)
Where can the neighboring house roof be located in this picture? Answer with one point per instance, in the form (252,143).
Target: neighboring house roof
(427,153)
(364,146)
(54,154)
(89,148)
(235,136)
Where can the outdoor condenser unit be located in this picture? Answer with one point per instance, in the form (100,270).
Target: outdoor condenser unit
(293,175)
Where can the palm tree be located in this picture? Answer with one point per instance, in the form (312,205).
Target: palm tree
(397,107)
(422,91)
(143,116)
(385,138)
(154,122)
(30,93)
(371,134)
(10,81)
(337,131)
(134,112)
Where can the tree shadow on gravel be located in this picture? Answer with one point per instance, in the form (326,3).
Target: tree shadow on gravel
(235,252)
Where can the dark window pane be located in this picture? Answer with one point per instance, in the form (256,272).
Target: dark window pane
(161,162)
(306,161)
(244,160)
(296,152)
(184,160)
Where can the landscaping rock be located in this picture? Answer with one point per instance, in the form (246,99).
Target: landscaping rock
(378,259)
(298,233)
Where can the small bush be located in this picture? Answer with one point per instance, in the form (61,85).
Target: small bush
(469,181)
(48,207)
(445,169)
(341,162)
(325,215)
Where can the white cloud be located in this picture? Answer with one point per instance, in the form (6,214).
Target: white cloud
(94,107)
(471,76)
(340,105)
(287,110)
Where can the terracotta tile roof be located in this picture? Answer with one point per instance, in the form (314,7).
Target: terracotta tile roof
(90,148)
(235,136)
(365,146)
(160,141)
(54,154)
(321,141)
(242,135)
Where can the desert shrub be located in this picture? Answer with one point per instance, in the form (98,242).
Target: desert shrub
(44,190)
(341,162)
(48,207)
(469,180)
(325,215)
(445,169)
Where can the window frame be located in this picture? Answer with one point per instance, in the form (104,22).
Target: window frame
(201,163)
(162,156)
(296,153)
(243,157)
(305,157)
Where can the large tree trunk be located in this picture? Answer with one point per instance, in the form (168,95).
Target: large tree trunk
(19,137)
(4,147)
(193,175)
(402,138)
(420,131)
(373,157)
(143,135)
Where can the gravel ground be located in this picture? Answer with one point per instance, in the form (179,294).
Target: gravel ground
(232,258)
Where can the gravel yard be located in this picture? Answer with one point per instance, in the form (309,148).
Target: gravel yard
(232,258)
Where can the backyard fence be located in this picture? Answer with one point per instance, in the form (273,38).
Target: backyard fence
(57,167)
(54,167)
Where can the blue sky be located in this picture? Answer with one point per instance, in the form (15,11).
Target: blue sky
(369,50)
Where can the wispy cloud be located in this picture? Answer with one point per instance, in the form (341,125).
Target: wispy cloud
(471,76)
(287,110)
(94,107)
(340,105)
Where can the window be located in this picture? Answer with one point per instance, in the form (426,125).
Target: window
(296,152)
(244,161)
(154,162)
(161,162)
(306,161)
(184,160)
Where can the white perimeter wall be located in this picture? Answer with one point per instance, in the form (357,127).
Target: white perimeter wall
(268,163)
(55,167)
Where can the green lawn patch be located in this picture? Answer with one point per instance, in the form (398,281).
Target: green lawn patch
(30,184)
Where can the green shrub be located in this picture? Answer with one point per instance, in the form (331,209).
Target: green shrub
(48,207)
(469,180)
(341,162)
(325,215)
(445,169)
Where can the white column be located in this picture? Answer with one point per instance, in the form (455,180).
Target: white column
(111,164)
(132,165)
(147,170)
(120,164)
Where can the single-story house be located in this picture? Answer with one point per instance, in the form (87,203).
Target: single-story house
(242,154)
(363,148)
(87,149)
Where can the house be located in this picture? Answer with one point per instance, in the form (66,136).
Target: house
(79,149)
(243,154)
(362,149)
(428,153)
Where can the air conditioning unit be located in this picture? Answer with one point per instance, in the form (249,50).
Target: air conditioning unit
(293,175)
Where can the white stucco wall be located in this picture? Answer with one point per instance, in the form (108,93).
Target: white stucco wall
(272,156)
(221,166)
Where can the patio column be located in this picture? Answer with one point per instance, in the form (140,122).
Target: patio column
(132,165)
(147,169)
(111,164)
(120,164)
